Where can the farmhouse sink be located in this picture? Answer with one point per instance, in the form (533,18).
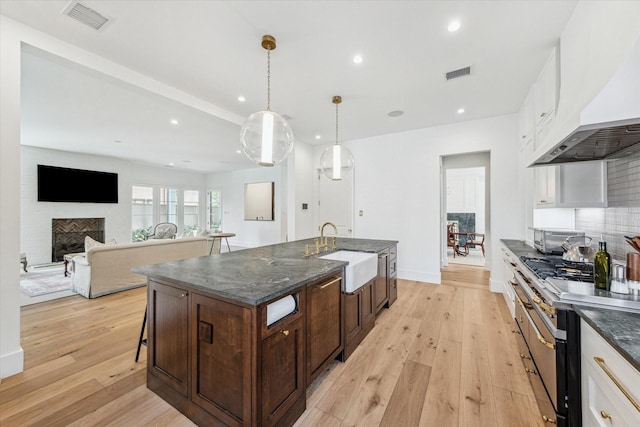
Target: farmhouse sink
(362,267)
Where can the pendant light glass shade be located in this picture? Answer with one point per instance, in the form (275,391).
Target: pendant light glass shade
(336,161)
(266,137)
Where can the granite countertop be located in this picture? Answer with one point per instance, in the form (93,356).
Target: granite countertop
(257,275)
(621,329)
(520,248)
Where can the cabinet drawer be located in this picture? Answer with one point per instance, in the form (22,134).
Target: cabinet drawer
(602,368)
(393,252)
(267,330)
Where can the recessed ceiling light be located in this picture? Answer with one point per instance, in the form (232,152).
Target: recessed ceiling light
(460,110)
(238,151)
(318,137)
(242,98)
(453,26)
(171,164)
(357,59)
(175,122)
(396,113)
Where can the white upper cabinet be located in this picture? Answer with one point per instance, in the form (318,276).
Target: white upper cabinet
(571,185)
(545,96)
(525,120)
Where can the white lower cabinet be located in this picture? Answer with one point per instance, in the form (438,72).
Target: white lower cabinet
(610,384)
(508,293)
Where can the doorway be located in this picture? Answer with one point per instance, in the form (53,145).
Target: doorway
(465,209)
(335,203)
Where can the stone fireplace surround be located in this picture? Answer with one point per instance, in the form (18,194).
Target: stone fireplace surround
(68,234)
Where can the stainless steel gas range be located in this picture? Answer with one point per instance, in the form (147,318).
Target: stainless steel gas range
(548,335)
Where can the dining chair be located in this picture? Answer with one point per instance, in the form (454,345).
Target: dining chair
(451,238)
(476,239)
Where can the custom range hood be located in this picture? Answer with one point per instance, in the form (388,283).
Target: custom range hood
(609,126)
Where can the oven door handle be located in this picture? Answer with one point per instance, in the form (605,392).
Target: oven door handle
(525,305)
(539,336)
(545,307)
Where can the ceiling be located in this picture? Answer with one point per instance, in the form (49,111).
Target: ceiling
(210,51)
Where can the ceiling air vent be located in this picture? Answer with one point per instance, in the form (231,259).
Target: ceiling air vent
(85,15)
(458,73)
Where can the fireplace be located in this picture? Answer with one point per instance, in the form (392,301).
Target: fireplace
(67,235)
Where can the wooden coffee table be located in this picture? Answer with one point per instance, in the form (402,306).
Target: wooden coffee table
(67,259)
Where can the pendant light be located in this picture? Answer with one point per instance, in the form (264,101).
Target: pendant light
(337,160)
(266,136)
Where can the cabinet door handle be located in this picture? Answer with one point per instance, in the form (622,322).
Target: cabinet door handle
(184,294)
(531,371)
(600,362)
(605,414)
(337,279)
(285,332)
(548,420)
(543,114)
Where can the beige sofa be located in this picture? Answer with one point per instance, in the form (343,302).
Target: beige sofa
(107,268)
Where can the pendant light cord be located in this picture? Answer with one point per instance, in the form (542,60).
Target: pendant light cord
(268,79)
(336,123)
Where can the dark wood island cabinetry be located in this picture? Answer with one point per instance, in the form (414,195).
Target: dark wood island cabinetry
(212,352)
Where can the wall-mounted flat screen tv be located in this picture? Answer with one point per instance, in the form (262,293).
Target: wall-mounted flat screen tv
(57,184)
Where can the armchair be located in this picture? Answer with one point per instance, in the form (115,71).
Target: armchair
(164,230)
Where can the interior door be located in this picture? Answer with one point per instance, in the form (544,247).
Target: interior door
(336,203)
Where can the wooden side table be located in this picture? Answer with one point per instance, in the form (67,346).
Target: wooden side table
(69,258)
(220,236)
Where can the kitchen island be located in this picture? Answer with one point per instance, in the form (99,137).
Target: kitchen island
(214,352)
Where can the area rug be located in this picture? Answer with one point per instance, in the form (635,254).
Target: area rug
(473,258)
(35,283)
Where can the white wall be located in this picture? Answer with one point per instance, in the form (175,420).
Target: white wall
(11,354)
(397,185)
(304,193)
(250,233)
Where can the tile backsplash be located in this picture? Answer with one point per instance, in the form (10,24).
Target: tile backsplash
(622,217)
(623,182)
(613,224)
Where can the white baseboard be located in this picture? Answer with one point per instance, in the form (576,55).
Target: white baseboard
(12,363)
(420,276)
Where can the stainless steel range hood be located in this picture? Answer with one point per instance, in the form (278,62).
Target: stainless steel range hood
(609,126)
(596,142)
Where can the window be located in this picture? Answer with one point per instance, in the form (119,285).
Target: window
(151,205)
(214,209)
(142,212)
(169,205)
(191,209)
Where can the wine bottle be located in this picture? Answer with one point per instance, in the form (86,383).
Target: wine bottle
(602,268)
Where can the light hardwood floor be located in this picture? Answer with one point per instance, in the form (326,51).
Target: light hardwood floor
(441,356)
